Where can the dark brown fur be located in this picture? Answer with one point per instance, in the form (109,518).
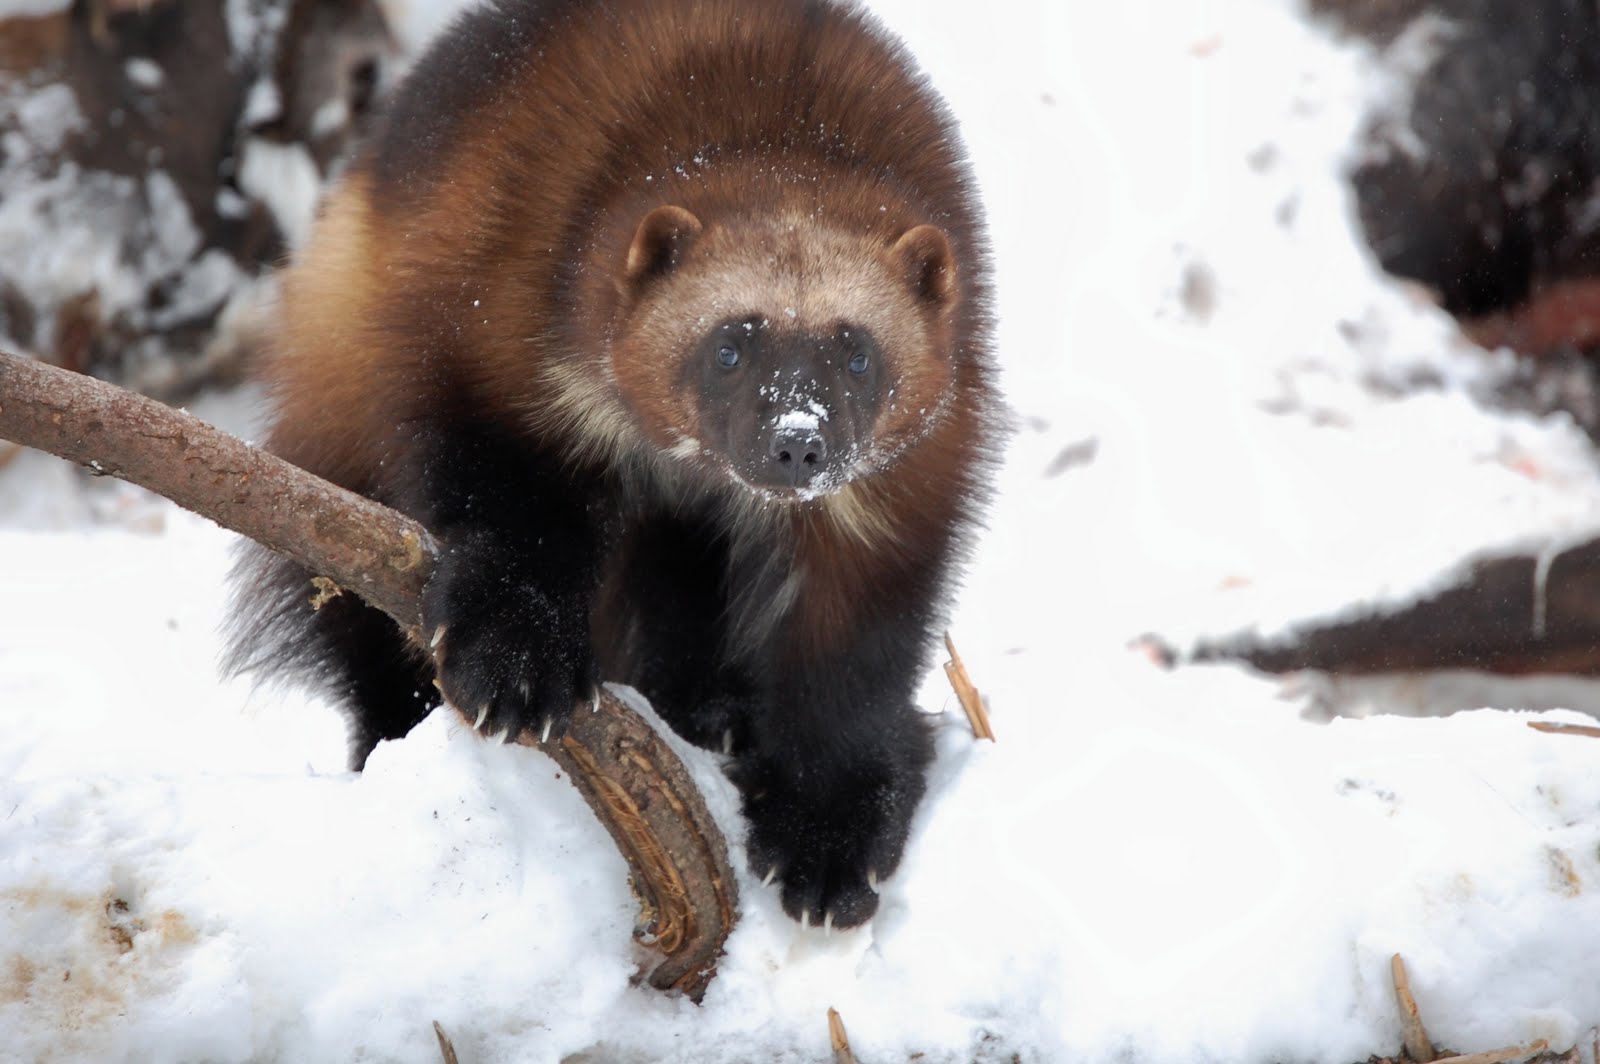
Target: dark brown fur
(497,325)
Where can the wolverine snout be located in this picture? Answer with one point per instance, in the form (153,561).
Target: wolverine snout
(798,455)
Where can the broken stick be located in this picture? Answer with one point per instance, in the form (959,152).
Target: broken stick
(1555,728)
(840,1040)
(971,701)
(1414,1035)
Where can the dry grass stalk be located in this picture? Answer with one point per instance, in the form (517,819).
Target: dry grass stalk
(1564,729)
(971,701)
(1418,1047)
(1497,1056)
(840,1040)
(446,1048)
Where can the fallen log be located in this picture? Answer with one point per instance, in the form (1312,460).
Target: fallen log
(1516,614)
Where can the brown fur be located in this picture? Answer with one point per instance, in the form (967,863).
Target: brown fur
(463,255)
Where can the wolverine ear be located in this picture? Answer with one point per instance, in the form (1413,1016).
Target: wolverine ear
(659,242)
(927,264)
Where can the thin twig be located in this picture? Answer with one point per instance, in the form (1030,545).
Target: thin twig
(1418,1047)
(840,1040)
(1565,729)
(971,701)
(446,1048)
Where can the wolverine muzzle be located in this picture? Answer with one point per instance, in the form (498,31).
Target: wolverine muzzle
(797,456)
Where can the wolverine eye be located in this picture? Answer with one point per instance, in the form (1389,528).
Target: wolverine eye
(727,357)
(858,362)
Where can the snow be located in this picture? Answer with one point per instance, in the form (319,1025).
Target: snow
(800,420)
(285,178)
(64,233)
(415,22)
(44,115)
(144,73)
(250,22)
(1215,431)
(263,104)
(33,8)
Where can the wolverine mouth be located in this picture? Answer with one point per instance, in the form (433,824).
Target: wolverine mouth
(819,485)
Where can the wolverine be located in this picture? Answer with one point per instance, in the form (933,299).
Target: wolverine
(670,320)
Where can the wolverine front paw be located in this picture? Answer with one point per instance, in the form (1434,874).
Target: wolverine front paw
(827,855)
(509,655)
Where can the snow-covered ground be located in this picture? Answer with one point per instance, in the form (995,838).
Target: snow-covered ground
(1148,865)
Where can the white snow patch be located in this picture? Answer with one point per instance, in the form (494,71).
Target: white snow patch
(33,8)
(249,22)
(78,212)
(230,204)
(330,118)
(176,235)
(44,115)
(798,419)
(144,73)
(285,178)
(262,104)
(213,278)
(416,22)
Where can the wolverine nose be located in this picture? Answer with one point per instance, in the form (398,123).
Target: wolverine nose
(798,455)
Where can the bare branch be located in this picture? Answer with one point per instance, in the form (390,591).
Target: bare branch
(380,554)
(628,774)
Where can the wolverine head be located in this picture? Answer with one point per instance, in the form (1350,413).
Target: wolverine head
(785,354)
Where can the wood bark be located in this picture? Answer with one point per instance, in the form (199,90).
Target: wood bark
(1513,614)
(636,785)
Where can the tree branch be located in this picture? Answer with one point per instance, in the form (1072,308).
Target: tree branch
(628,774)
